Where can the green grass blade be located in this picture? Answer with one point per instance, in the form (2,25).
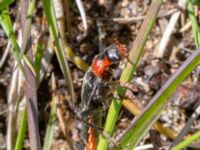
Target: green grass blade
(51,19)
(50,128)
(29,64)
(196,34)
(187,141)
(70,54)
(5,3)
(127,73)
(193,19)
(38,58)
(6,24)
(23,127)
(78,61)
(153,110)
(195,25)
(22,131)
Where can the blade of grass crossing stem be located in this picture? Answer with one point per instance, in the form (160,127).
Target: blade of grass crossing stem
(6,24)
(29,64)
(22,131)
(27,26)
(23,127)
(27,9)
(149,115)
(5,3)
(32,106)
(127,73)
(51,19)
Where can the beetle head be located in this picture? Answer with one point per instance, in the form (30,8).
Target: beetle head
(117,51)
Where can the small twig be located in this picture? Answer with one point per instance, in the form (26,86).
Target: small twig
(186,27)
(4,111)
(140,18)
(144,147)
(82,12)
(100,35)
(5,54)
(168,32)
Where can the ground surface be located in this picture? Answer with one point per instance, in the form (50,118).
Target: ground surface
(106,21)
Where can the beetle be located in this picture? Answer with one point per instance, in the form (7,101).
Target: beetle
(96,80)
(95,88)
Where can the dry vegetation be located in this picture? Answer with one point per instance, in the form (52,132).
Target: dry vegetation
(169,44)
